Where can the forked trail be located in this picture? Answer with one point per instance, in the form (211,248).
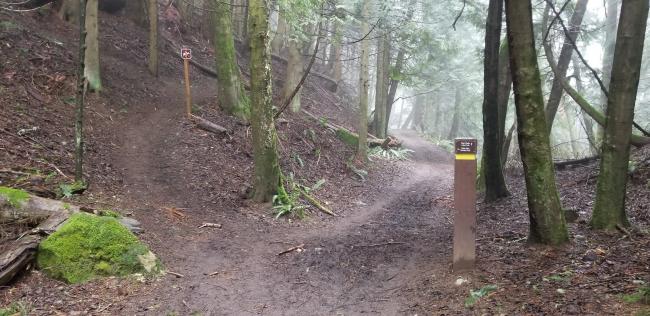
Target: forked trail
(361,263)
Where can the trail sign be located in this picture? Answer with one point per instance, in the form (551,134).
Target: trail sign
(186,53)
(464,256)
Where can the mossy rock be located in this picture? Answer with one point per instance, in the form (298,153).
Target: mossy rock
(88,246)
(14,197)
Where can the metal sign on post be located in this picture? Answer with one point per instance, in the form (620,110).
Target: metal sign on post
(186,54)
(464,257)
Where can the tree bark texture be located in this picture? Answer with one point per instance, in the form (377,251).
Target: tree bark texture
(232,98)
(563,62)
(455,121)
(503,91)
(609,210)
(547,222)
(294,71)
(267,168)
(80,96)
(495,184)
(92,67)
(364,84)
(152,8)
(381,87)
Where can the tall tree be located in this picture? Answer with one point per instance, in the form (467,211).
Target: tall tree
(232,97)
(293,73)
(364,84)
(455,121)
(152,8)
(563,62)
(91,64)
(81,91)
(495,184)
(267,168)
(609,210)
(547,222)
(381,87)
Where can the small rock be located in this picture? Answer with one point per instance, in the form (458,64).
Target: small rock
(460,281)
(561,291)
(590,257)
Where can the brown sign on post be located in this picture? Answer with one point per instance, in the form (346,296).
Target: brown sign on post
(464,256)
(186,55)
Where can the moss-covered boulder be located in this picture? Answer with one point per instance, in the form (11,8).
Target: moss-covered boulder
(87,246)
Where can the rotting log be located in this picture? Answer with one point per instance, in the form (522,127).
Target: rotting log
(566,163)
(208,126)
(351,138)
(50,214)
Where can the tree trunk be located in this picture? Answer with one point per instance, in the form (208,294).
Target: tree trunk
(609,210)
(381,87)
(495,184)
(563,62)
(280,35)
(364,84)
(547,222)
(455,121)
(232,97)
(136,11)
(503,91)
(68,10)
(587,122)
(267,168)
(152,7)
(91,69)
(294,73)
(611,27)
(81,93)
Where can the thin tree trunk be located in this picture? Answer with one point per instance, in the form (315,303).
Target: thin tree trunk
(293,74)
(572,135)
(81,91)
(232,97)
(364,84)
(280,35)
(587,122)
(547,222)
(381,88)
(495,184)
(91,64)
(503,91)
(136,11)
(563,62)
(609,210)
(267,168)
(453,131)
(152,6)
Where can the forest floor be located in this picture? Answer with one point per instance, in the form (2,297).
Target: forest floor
(387,253)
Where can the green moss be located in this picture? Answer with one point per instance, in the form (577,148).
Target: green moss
(15,197)
(348,137)
(89,246)
(110,213)
(14,309)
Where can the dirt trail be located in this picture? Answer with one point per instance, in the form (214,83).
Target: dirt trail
(358,264)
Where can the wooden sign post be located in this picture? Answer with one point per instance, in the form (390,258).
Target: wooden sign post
(186,54)
(464,257)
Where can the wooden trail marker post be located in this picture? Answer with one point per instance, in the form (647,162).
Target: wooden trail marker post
(186,54)
(464,257)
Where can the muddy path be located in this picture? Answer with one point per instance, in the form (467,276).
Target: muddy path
(360,263)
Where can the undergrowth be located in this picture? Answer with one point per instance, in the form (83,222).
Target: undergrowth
(287,201)
(390,153)
(16,309)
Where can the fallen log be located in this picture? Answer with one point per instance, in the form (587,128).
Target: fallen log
(208,126)
(18,206)
(566,163)
(351,138)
